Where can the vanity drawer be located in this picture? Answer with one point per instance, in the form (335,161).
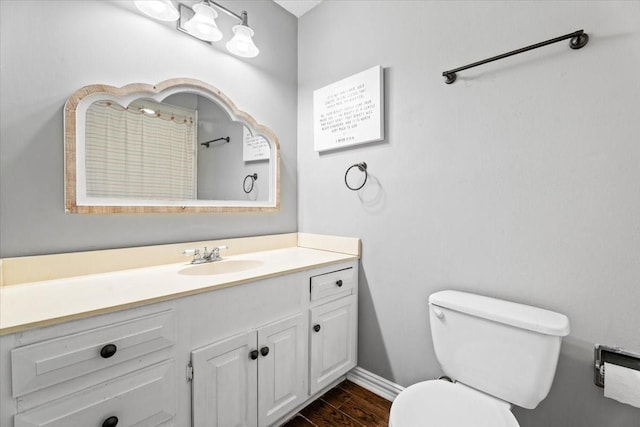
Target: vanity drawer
(337,283)
(47,363)
(146,398)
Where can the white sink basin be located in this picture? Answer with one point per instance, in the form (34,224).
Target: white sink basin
(221,267)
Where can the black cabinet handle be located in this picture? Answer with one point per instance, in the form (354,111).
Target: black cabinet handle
(253,355)
(339,283)
(110,422)
(264,351)
(316,328)
(106,352)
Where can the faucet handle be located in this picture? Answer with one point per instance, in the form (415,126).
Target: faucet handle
(215,252)
(194,252)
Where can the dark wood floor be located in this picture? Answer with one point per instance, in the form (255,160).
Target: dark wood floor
(347,404)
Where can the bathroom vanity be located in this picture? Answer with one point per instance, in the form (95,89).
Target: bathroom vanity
(248,341)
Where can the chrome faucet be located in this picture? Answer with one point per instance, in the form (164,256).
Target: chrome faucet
(206,256)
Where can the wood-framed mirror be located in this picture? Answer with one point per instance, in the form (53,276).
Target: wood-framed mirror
(178,146)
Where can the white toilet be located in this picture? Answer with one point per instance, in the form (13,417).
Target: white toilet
(497,353)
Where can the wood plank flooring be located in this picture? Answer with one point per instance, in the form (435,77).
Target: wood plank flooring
(347,404)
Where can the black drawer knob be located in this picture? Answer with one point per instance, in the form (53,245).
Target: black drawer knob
(106,352)
(264,351)
(316,328)
(110,422)
(253,355)
(339,283)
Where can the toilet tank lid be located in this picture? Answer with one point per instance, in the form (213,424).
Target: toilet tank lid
(507,312)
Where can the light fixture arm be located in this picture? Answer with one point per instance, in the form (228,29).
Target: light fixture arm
(242,17)
(199,22)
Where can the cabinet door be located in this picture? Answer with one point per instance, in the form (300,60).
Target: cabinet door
(282,368)
(225,383)
(333,341)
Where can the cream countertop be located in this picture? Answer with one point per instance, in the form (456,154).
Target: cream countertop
(54,301)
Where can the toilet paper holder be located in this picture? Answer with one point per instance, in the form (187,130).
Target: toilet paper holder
(615,356)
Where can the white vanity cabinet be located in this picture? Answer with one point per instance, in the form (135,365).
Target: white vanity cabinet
(251,379)
(241,355)
(114,370)
(333,322)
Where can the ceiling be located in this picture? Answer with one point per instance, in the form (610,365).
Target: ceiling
(298,7)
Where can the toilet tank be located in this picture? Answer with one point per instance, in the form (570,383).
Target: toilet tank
(501,348)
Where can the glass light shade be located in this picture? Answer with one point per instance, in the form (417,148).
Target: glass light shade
(203,24)
(242,44)
(162,10)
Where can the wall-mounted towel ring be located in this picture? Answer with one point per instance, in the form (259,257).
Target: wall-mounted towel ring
(252,179)
(363,168)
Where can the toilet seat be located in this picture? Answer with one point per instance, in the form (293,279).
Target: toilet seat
(443,404)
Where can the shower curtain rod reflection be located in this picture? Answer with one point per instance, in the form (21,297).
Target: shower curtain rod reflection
(578,40)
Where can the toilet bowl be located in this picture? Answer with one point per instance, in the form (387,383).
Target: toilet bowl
(440,403)
(497,352)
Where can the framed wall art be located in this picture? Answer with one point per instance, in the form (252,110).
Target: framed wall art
(350,111)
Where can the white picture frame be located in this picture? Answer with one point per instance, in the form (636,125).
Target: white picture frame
(254,147)
(350,111)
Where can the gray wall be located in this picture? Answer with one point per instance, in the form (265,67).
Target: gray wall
(70,44)
(520,181)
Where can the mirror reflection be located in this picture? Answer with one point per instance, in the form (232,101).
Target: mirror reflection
(182,145)
(183,148)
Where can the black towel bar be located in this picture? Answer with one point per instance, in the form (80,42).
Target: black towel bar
(578,39)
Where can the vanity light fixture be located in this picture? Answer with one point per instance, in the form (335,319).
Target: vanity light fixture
(162,10)
(200,23)
(242,43)
(148,111)
(203,25)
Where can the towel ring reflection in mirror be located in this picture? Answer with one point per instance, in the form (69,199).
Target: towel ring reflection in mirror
(252,179)
(362,166)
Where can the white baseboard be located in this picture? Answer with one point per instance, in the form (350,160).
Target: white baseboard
(374,383)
